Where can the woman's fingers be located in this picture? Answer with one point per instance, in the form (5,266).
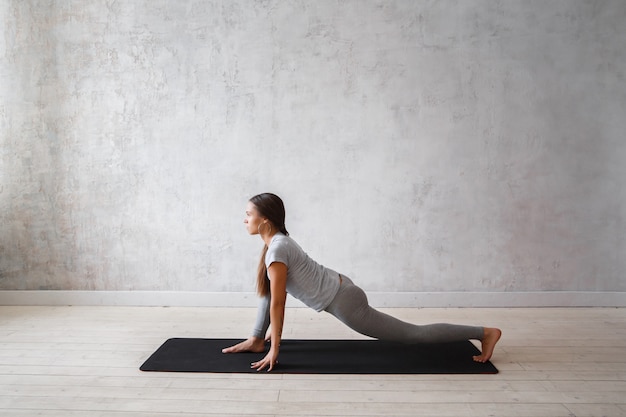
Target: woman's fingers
(259,366)
(262,364)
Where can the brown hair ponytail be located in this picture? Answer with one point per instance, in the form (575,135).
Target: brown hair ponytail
(262,281)
(271,207)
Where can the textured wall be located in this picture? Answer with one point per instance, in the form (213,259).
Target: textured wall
(419,146)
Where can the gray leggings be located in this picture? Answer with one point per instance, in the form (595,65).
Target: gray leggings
(351,307)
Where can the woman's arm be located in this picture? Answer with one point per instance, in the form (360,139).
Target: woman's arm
(256,342)
(277,272)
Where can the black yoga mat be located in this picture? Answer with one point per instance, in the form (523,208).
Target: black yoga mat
(321,357)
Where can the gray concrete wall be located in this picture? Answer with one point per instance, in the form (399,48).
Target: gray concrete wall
(419,146)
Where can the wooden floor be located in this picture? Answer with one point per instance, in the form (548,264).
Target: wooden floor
(83,361)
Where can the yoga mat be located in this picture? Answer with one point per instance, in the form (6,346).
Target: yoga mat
(321,357)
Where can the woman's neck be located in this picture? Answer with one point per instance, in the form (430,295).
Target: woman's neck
(268,238)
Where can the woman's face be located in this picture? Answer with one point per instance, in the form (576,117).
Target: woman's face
(253,219)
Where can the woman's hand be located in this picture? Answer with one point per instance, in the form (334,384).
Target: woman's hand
(269,361)
(251,344)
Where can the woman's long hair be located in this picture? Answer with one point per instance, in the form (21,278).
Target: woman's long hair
(271,207)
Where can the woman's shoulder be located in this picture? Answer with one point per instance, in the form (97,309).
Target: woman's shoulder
(280,239)
(282,249)
(284,242)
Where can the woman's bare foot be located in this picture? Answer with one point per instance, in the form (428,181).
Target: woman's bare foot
(252,344)
(490,338)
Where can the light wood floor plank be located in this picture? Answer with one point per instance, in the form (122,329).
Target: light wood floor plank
(83,361)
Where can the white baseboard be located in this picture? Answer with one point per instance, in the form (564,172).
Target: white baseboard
(377,299)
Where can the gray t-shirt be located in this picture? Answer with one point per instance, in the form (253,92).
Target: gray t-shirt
(308,281)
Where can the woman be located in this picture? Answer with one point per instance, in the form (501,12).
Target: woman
(285,268)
